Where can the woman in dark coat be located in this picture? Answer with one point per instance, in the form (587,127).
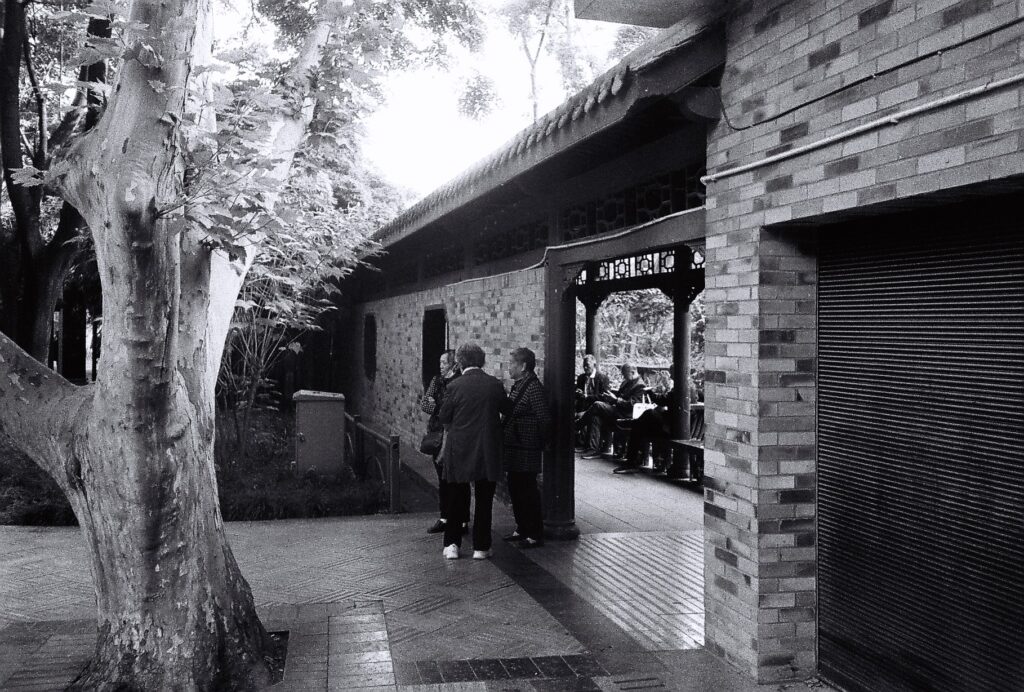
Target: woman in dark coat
(431,403)
(525,428)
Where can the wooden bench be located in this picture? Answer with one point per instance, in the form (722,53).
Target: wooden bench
(688,454)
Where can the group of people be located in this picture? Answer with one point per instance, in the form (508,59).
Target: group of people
(601,412)
(486,433)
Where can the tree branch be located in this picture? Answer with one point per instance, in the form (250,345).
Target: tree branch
(25,211)
(39,158)
(38,409)
(226,278)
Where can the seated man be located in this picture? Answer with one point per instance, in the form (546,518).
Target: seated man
(602,414)
(652,425)
(591,385)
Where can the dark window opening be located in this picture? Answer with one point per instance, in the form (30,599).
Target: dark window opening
(370,346)
(435,341)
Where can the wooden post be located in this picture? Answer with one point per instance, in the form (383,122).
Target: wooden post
(593,339)
(681,367)
(560,345)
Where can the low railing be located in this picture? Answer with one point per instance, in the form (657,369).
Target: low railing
(373,452)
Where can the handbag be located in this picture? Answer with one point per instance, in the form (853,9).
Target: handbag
(431,442)
(645,405)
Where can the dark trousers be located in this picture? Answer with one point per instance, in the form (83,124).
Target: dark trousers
(526,507)
(651,425)
(442,491)
(458,498)
(600,418)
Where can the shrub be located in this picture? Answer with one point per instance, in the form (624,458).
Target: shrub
(28,496)
(264,486)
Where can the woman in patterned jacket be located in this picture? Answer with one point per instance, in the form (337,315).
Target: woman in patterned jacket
(525,429)
(431,403)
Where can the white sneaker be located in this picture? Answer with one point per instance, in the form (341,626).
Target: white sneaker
(481,554)
(451,552)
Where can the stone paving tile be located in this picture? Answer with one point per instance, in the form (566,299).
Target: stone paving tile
(649,584)
(355,620)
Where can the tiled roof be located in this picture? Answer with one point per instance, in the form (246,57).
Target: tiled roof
(590,103)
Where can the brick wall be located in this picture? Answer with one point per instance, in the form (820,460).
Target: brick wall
(760,459)
(499,313)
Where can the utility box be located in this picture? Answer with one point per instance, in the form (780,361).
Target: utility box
(319,431)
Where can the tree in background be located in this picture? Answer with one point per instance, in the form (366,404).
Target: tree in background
(549,26)
(178,182)
(628,38)
(636,326)
(42,60)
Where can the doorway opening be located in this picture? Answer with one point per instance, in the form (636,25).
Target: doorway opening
(435,341)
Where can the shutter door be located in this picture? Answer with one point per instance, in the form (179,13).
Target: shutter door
(921,453)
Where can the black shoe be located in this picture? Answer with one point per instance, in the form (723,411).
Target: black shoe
(591,454)
(625,469)
(438,527)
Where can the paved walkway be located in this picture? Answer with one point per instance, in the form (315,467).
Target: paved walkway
(369,603)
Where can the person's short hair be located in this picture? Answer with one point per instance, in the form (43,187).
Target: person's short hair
(525,356)
(629,366)
(590,358)
(449,355)
(470,356)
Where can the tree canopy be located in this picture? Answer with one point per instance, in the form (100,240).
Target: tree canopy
(182,171)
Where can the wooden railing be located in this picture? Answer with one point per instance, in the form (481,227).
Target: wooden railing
(374,453)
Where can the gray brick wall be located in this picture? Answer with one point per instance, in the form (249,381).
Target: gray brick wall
(761,338)
(499,313)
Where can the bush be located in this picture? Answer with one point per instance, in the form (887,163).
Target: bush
(28,496)
(264,486)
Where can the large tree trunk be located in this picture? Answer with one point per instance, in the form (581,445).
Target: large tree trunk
(134,452)
(174,611)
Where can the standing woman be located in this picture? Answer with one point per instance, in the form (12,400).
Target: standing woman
(525,427)
(431,403)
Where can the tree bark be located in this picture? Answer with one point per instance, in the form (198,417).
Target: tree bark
(134,452)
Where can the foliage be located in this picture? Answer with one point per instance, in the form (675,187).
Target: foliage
(267,486)
(479,97)
(628,38)
(48,97)
(550,27)
(437,19)
(28,496)
(264,486)
(637,326)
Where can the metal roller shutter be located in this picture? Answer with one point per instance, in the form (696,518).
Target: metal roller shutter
(921,453)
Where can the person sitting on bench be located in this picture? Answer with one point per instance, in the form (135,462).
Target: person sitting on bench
(652,425)
(602,414)
(591,385)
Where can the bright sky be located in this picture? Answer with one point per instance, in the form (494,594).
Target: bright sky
(419,140)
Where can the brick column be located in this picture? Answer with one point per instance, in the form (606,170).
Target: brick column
(760,586)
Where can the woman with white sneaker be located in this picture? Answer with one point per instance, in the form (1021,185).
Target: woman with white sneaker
(472,449)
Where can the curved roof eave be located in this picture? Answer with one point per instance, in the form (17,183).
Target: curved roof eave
(601,104)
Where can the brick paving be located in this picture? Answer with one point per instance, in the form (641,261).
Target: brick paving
(370,604)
